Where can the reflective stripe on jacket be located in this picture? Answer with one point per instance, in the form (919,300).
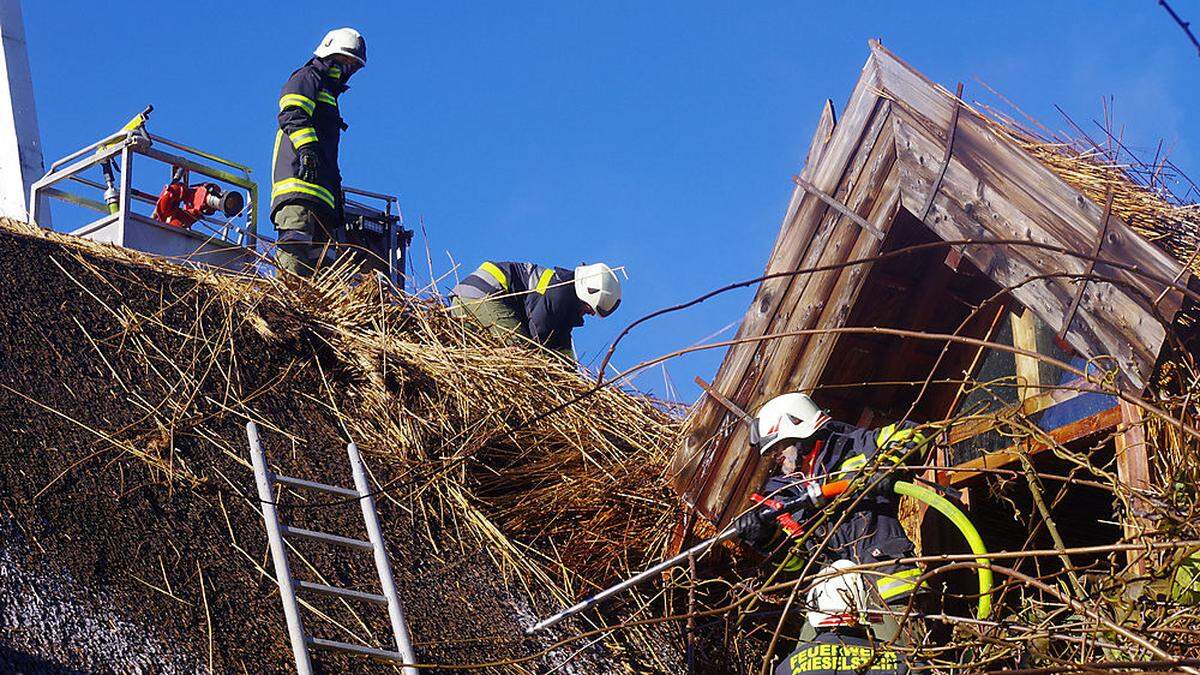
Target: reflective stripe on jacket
(308,116)
(543,296)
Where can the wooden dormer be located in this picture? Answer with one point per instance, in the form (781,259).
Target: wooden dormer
(909,164)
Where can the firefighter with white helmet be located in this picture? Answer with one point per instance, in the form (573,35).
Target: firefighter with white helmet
(520,301)
(306,183)
(836,605)
(806,447)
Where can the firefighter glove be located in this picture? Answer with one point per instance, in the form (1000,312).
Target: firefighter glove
(752,529)
(885,479)
(309,161)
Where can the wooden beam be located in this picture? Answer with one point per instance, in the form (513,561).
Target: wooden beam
(1000,186)
(729,405)
(999,459)
(1029,372)
(1133,470)
(950,134)
(839,207)
(822,136)
(802,299)
(807,370)
(703,483)
(825,297)
(954,258)
(814,301)
(987,204)
(799,368)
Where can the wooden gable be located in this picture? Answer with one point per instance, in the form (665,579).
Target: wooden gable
(900,140)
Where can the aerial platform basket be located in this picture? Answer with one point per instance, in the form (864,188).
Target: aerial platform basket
(99,178)
(228,242)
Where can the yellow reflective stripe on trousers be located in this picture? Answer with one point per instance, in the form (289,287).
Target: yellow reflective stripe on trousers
(496,273)
(289,185)
(326,97)
(544,281)
(303,136)
(303,102)
(894,584)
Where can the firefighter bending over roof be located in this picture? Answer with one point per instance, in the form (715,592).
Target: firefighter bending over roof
(841,645)
(306,184)
(807,446)
(521,300)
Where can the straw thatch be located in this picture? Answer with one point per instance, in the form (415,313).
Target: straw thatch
(480,445)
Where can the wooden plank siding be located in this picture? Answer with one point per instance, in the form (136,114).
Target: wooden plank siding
(818,302)
(1133,470)
(692,467)
(994,190)
(1112,320)
(885,154)
(800,303)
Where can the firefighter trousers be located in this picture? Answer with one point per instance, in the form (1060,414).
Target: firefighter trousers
(303,240)
(502,320)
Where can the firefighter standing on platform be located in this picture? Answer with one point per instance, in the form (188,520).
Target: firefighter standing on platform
(808,445)
(306,184)
(521,301)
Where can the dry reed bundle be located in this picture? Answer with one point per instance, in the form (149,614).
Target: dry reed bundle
(569,500)
(583,485)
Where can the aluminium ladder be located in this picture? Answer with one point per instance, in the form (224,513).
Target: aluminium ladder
(302,641)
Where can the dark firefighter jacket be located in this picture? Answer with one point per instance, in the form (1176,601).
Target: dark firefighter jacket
(544,297)
(308,115)
(832,653)
(871,532)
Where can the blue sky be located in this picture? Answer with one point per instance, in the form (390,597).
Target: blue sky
(660,136)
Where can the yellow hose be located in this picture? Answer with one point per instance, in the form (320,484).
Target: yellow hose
(956,516)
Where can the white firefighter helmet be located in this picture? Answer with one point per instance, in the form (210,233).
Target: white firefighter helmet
(791,416)
(838,599)
(345,41)
(598,287)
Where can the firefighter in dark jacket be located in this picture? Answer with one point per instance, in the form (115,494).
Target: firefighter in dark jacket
(809,446)
(306,184)
(521,301)
(841,645)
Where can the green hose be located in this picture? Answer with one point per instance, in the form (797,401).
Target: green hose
(956,516)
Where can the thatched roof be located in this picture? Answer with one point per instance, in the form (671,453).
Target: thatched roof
(125,383)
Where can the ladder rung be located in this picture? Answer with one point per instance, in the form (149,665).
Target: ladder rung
(300,482)
(355,649)
(328,538)
(342,592)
